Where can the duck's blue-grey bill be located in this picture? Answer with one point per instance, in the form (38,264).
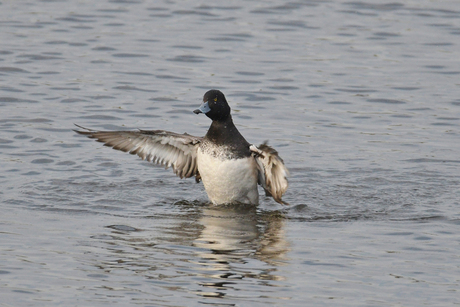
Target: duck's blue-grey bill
(204,108)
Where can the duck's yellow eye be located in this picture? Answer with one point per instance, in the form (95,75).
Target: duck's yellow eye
(215,99)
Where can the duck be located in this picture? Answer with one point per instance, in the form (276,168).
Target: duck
(229,167)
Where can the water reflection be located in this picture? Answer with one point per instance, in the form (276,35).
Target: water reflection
(232,238)
(223,251)
(233,232)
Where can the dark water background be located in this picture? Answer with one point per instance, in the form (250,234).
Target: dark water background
(361,99)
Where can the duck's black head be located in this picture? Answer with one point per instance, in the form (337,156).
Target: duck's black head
(215,106)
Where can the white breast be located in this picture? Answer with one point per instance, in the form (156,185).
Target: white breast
(228,180)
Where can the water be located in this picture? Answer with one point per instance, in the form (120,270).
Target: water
(360,99)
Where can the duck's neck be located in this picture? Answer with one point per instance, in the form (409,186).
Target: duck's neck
(224,132)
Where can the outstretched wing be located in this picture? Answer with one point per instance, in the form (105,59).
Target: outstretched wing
(272,171)
(158,146)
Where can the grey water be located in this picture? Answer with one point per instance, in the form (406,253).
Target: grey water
(360,98)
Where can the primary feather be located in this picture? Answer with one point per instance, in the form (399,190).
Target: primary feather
(158,146)
(272,171)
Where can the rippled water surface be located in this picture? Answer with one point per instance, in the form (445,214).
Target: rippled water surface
(361,99)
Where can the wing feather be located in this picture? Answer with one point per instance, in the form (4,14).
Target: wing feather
(272,171)
(161,147)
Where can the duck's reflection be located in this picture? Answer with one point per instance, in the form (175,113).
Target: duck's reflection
(236,231)
(212,251)
(238,242)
